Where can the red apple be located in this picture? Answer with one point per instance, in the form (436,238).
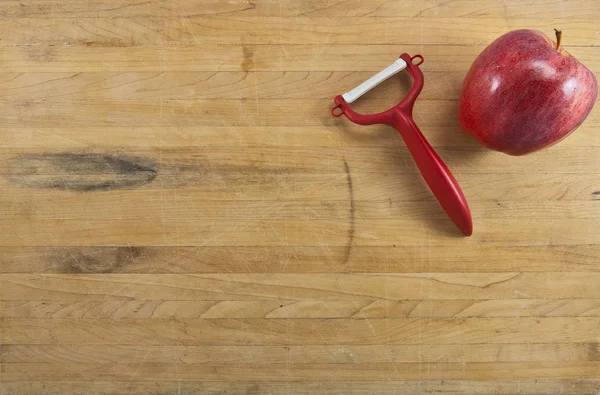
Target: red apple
(524,93)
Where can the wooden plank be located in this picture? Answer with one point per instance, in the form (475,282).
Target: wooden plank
(303,332)
(60,169)
(114,138)
(550,386)
(336,354)
(302,372)
(359,57)
(197,30)
(587,9)
(291,259)
(388,387)
(187,113)
(354,287)
(51,137)
(340,135)
(200,85)
(237,113)
(325,233)
(112,308)
(538,189)
(36,206)
(171,86)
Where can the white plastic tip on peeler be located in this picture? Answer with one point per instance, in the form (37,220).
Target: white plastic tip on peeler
(372,82)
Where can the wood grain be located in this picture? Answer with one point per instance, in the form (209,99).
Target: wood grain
(388,387)
(243,113)
(228,286)
(329,331)
(292,259)
(184,205)
(122,32)
(125,138)
(23,167)
(210,85)
(163,231)
(337,354)
(235,58)
(304,372)
(119,308)
(180,214)
(510,9)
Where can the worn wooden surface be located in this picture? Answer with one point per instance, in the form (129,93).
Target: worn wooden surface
(179,213)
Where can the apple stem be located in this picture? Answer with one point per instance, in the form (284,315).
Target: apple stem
(558,38)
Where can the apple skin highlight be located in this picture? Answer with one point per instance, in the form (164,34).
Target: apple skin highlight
(524,93)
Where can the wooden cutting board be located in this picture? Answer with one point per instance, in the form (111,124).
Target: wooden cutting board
(180,214)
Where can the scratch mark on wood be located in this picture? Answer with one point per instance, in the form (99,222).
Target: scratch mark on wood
(352,226)
(39,54)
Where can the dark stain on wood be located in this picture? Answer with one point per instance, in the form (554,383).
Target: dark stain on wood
(596,193)
(253,389)
(352,214)
(80,172)
(107,43)
(97,260)
(594,352)
(248,63)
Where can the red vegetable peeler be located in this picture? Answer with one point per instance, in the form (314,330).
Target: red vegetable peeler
(434,170)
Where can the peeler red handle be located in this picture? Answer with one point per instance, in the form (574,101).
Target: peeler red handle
(436,174)
(434,170)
